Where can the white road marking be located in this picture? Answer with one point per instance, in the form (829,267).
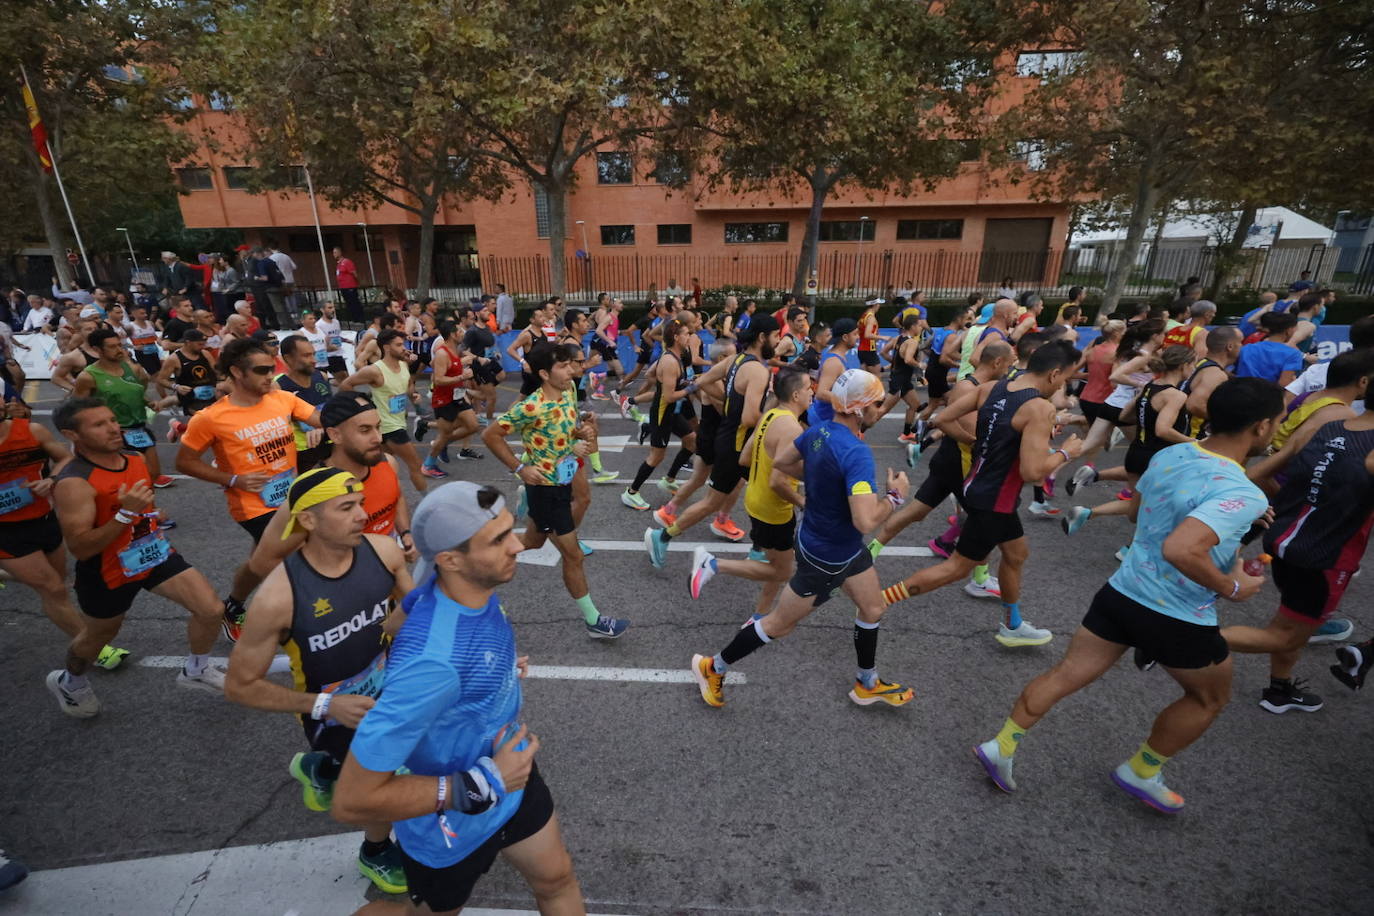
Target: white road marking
(548,554)
(316,876)
(280,663)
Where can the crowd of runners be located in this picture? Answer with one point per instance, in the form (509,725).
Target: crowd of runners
(1245,458)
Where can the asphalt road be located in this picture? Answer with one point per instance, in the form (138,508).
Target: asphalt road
(790,799)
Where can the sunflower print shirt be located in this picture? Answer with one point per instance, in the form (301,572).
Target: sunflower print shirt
(546,428)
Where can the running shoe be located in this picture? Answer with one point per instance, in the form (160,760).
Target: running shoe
(12,871)
(643,431)
(623,402)
(1281,696)
(1044,510)
(421,429)
(175,429)
(637,415)
(913,454)
(210,679)
(758,556)
(607,627)
(922,427)
(665,516)
(1024,635)
(881,692)
(941,549)
(483,422)
(668,485)
(1048,486)
(1118,437)
(443,454)
(316,792)
(989,588)
(711,685)
(634,501)
(603,477)
(1352,664)
(163,482)
(433,470)
(587,549)
(1152,791)
(467,454)
(1081,478)
(233,619)
(79,703)
(908,437)
(1075,518)
(1337,629)
(167,524)
(384,869)
(522,502)
(1121,552)
(657,547)
(703,570)
(1125,494)
(111,658)
(998,767)
(724,527)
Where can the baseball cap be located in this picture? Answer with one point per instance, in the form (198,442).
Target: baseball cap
(855,389)
(986,314)
(192,334)
(764,324)
(452,514)
(344,406)
(262,336)
(843,326)
(89,311)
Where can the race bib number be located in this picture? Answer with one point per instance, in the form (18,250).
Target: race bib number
(275,490)
(144,553)
(396,403)
(321,357)
(335,341)
(204,392)
(138,438)
(148,349)
(566,469)
(14,496)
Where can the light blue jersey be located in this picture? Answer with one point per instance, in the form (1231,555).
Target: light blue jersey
(1186,481)
(450,687)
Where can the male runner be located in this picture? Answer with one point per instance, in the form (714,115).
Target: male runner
(868,337)
(710,387)
(746,389)
(605,341)
(190,376)
(327,605)
(905,361)
(842,501)
(304,379)
(770,497)
(319,341)
(250,433)
(452,413)
(143,335)
(546,421)
(105,506)
(123,387)
(844,336)
(1011,449)
(80,355)
(329,326)
(666,417)
(1223,349)
(1163,599)
(393,388)
(451,708)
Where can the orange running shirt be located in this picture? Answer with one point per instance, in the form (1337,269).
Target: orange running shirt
(381,493)
(139,547)
(22,460)
(251,440)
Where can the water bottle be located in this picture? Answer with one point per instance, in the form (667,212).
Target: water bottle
(1256,564)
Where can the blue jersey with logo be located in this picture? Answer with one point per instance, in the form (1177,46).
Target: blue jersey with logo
(836,464)
(450,688)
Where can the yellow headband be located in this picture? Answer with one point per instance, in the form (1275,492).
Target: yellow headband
(315,487)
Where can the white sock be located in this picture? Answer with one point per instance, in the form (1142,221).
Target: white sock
(73,681)
(195,664)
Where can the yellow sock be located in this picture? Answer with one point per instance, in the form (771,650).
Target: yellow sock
(672,530)
(1147,761)
(1009,738)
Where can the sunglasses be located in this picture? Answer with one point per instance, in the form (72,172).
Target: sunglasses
(261,370)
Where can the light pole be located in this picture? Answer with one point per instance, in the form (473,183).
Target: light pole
(132,256)
(367,241)
(858,253)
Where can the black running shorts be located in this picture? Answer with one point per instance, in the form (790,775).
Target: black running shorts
(32,535)
(333,740)
(983,530)
(725,471)
(868,358)
(1169,641)
(706,434)
(1308,595)
(551,508)
(818,579)
(257,525)
(768,536)
(98,600)
(450,411)
(448,888)
(672,424)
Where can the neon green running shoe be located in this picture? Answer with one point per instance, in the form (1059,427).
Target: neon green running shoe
(384,870)
(316,792)
(111,658)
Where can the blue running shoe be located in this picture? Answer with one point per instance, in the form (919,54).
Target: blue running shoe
(12,871)
(1075,518)
(758,556)
(587,549)
(1337,629)
(522,502)
(657,547)
(607,627)
(443,454)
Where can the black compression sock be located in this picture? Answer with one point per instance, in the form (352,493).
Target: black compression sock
(329,769)
(371,850)
(645,469)
(680,461)
(746,641)
(906,429)
(866,645)
(1038,493)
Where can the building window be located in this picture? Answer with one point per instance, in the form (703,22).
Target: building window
(236,177)
(671,169)
(922,229)
(289,176)
(306,242)
(847,230)
(617,235)
(1031,153)
(1041,64)
(195,179)
(969,150)
(675,233)
(615,168)
(220,101)
(541,212)
(740,233)
(962,71)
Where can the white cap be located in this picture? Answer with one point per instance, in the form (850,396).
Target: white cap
(855,389)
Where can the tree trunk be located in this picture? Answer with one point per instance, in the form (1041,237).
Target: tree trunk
(557,193)
(1228,254)
(1146,198)
(52,225)
(425,259)
(806,260)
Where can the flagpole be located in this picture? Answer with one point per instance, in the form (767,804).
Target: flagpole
(319,233)
(57,173)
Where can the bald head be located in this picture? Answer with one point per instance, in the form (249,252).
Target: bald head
(1268,298)
(1004,311)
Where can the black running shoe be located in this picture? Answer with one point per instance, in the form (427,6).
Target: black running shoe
(421,429)
(467,454)
(643,432)
(233,619)
(1354,664)
(1281,696)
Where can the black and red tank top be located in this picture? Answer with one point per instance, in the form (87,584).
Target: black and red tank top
(994,481)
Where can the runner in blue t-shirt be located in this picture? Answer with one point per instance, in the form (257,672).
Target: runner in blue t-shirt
(1197,504)
(450,708)
(842,503)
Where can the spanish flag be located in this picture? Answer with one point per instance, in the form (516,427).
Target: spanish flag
(40,133)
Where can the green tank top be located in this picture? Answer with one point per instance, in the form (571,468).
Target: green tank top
(390,396)
(966,348)
(123,394)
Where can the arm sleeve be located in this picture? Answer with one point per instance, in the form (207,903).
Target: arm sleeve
(414,695)
(1230,508)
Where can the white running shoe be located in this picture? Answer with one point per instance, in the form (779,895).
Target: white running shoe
(989,589)
(210,679)
(81,703)
(1043,510)
(1081,478)
(1024,635)
(703,570)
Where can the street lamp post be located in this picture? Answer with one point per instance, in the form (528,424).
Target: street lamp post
(858,253)
(132,256)
(367,241)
